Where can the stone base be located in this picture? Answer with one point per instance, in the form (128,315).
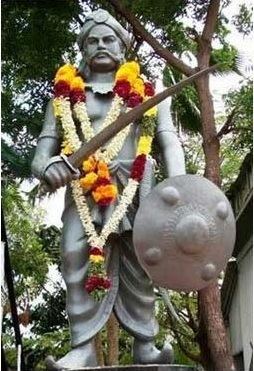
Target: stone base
(139,368)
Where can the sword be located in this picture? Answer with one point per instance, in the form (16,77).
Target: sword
(124,119)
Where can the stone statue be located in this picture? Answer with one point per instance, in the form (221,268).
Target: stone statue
(103,43)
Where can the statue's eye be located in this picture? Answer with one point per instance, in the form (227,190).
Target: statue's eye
(92,41)
(109,39)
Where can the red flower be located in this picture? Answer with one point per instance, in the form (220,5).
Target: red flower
(77,95)
(97,283)
(134,100)
(122,88)
(106,283)
(62,89)
(138,167)
(149,89)
(101,182)
(95,251)
(105,201)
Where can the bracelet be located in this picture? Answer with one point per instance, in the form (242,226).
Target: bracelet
(61,158)
(72,168)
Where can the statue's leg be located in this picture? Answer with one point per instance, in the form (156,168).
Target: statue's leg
(79,305)
(135,306)
(86,316)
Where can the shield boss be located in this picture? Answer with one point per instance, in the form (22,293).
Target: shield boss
(184,233)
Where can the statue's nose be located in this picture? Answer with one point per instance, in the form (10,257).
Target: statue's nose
(101,44)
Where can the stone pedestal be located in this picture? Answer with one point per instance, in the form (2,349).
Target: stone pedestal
(140,368)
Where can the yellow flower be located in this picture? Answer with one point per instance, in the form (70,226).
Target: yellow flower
(57,107)
(66,69)
(89,165)
(67,150)
(68,77)
(151,112)
(144,145)
(103,171)
(96,259)
(77,83)
(128,71)
(88,181)
(138,86)
(66,73)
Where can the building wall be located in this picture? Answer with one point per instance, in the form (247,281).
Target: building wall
(241,311)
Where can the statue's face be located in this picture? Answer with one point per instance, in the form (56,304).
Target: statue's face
(103,49)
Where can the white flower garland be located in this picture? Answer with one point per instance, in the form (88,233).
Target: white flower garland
(114,147)
(63,110)
(111,226)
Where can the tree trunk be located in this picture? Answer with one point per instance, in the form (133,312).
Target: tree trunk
(99,349)
(213,337)
(113,340)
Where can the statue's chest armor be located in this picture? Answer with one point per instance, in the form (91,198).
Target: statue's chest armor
(98,105)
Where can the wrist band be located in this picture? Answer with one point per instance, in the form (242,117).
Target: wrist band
(72,168)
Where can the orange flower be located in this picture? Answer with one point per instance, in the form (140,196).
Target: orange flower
(103,171)
(107,191)
(88,181)
(89,165)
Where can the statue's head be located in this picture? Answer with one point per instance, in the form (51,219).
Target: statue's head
(103,42)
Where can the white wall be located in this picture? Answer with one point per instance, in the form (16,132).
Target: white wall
(241,311)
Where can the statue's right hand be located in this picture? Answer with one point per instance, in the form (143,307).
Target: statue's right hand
(57,173)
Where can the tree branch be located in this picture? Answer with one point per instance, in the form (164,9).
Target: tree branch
(192,322)
(160,50)
(182,346)
(228,125)
(211,19)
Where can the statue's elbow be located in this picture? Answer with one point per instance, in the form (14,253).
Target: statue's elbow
(36,168)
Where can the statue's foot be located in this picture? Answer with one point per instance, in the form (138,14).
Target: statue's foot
(81,356)
(145,352)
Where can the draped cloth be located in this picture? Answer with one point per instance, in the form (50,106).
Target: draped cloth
(131,294)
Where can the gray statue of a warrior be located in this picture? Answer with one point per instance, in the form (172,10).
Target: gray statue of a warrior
(99,264)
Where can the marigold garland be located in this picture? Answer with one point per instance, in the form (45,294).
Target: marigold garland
(69,95)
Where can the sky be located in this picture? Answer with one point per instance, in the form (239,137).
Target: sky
(219,86)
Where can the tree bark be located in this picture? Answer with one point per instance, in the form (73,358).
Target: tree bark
(113,340)
(99,350)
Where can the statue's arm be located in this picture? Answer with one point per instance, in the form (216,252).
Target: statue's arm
(172,151)
(47,165)
(48,144)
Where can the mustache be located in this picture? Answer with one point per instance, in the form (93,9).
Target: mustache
(116,58)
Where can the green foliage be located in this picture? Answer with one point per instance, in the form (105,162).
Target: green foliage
(36,349)
(226,57)
(31,53)
(185,109)
(183,330)
(50,237)
(239,141)
(29,260)
(243,20)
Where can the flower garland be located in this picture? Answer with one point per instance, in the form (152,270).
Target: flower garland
(69,96)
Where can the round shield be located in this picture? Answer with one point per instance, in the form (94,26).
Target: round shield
(184,233)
